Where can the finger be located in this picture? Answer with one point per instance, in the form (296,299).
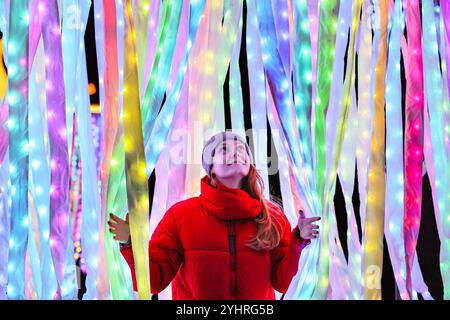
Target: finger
(112,223)
(302,214)
(315,232)
(314,226)
(115,218)
(309,220)
(112,229)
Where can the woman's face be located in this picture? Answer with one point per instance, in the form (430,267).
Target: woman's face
(231,160)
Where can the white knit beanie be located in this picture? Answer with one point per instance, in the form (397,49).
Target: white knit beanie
(214,141)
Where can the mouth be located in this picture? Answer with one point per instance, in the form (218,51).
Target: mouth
(237,162)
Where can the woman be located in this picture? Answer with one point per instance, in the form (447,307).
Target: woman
(227,243)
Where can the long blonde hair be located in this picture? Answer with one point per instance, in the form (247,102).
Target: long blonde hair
(269,222)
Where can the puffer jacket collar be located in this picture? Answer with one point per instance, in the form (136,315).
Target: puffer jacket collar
(228,203)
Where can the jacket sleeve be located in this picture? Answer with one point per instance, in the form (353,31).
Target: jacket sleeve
(165,254)
(285,257)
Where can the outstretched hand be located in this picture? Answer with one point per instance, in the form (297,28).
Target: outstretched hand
(307,229)
(119,228)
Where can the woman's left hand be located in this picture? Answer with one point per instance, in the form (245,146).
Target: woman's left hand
(307,229)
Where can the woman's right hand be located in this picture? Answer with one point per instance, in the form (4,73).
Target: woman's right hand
(119,228)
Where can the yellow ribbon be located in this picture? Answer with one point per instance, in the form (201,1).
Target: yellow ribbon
(135,169)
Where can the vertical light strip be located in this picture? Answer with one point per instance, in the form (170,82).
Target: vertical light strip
(135,169)
(440,164)
(110,111)
(413,137)
(236,102)
(40,172)
(91,215)
(366,53)
(56,115)
(337,128)
(337,113)
(257,92)
(445,9)
(4,225)
(229,30)
(4,168)
(394,203)
(141,13)
(121,285)
(17,97)
(170,155)
(158,136)
(281,20)
(157,85)
(346,279)
(103,285)
(313,17)
(374,224)
(211,59)
(279,85)
(302,76)
(444,51)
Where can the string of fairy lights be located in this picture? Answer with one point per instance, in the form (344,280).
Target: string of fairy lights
(325,75)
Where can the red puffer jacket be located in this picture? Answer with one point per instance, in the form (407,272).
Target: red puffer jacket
(200,245)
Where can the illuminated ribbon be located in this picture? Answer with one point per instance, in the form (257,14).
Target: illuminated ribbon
(165,118)
(171,156)
(302,76)
(103,285)
(141,14)
(228,40)
(4,226)
(4,171)
(17,97)
(40,174)
(257,92)
(209,64)
(121,284)
(413,137)
(325,57)
(275,74)
(439,162)
(313,18)
(91,215)
(444,51)
(394,204)
(235,99)
(336,129)
(117,274)
(135,169)
(152,41)
(373,231)
(34,270)
(283,21)
(56,117)
(339,98)
(156,87)
(344,283)
(445,9)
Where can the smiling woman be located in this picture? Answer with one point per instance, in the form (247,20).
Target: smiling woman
(227,243)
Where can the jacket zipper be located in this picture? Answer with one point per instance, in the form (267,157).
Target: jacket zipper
(232,245)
